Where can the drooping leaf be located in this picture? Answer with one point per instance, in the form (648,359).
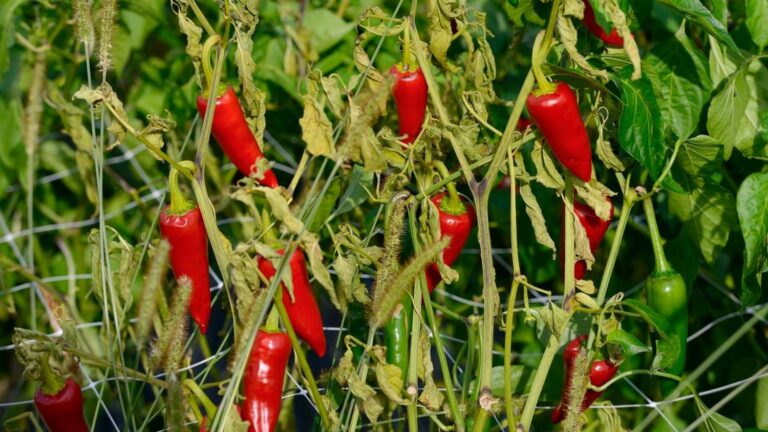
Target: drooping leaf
(640,132)
(695,12)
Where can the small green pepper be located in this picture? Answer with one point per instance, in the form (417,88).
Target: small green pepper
(666,290)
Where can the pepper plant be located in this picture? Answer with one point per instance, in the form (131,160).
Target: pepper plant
(356,202)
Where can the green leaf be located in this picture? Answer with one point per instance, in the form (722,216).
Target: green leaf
(757,17)
(356,192)
(326,206)
(716,422)
(752,207)
(682,79)
(630,345)
(727,110)
(695,12)
(667,352)
(699,161)
(640,132)
(325,28)
(709,214)
(656,320)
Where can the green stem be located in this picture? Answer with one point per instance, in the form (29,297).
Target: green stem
(453,403)
(662,266)
(179,204)
(545,87)
(538,381)
(302,360)
(414,354)
(480,421)
(452,204)
(52,383)
(626,210)
(513,214)
(123,371)
(569,282)
(210,408)
(408,64)
(657,183)
(200,17)
(508,327)
(206,60)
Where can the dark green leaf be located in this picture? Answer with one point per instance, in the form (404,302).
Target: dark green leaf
(640,132)
(682,78)
(356,192)
(630,345)
(325,207)
(694,11)
(752,207)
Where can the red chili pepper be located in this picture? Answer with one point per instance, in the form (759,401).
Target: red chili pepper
(263,380)
(234,136)
(63,410)
(181,224)
(601,371)
(456,223)
(557,116)
(612,39)
(303,310)
(410,93)
(595,228)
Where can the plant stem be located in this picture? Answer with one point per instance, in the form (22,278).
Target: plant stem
(481,419)
(453,403)
(508,327)
(302,360)
(179,204)
(538,381)
(569,285)
(662,266)
(626,209)
(414,354)
(97,361)
(203,21)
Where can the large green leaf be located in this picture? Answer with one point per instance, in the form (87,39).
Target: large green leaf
(709,214)
(640,132)
(699,161)
(325,28)
(752,207)
(682,79)
(757,19)
(694,11)
(733,116)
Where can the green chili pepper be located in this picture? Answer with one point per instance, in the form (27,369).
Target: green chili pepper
(666,290)
(397,338)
